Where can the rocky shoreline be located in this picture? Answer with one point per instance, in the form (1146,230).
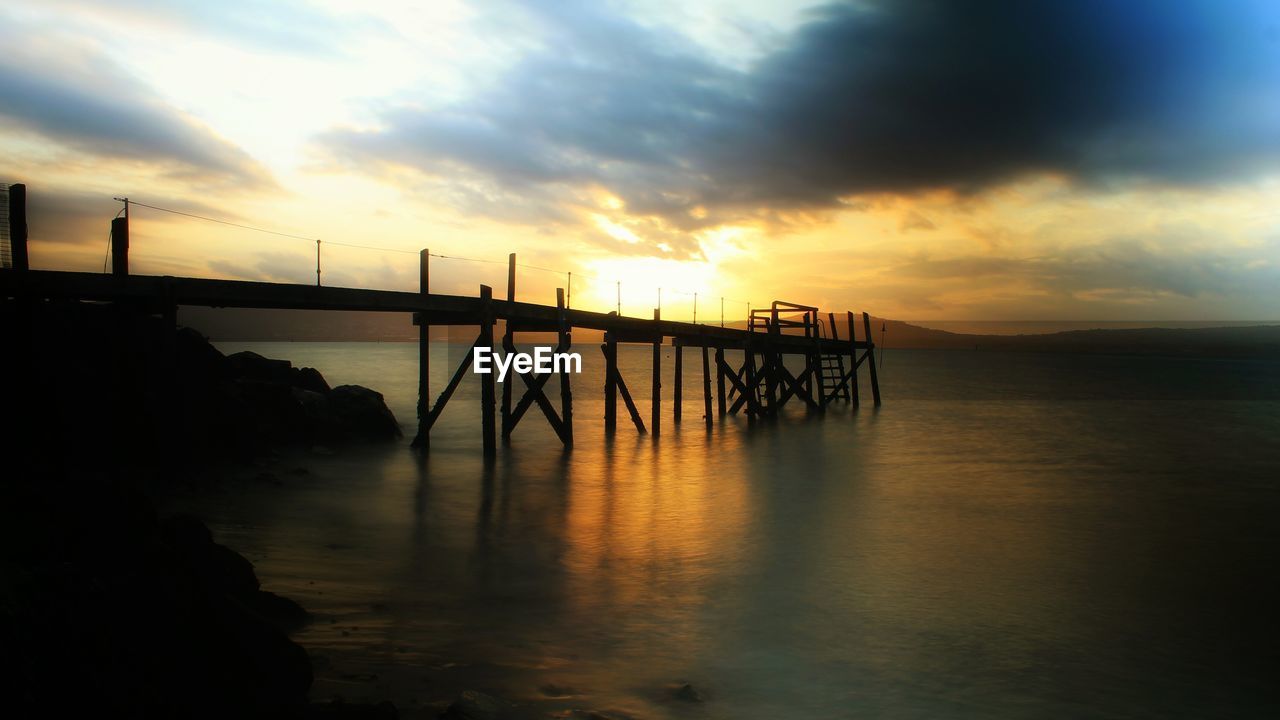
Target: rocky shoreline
(104,604)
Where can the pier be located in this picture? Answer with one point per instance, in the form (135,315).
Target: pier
(760,386)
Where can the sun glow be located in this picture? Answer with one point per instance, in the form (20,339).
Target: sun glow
(640,285)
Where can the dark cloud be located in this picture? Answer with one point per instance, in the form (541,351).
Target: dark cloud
(81,100)
(865,98)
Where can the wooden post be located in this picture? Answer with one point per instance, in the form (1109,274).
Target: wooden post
(751,386)
(488,389)
(771,365)
(655,423)
(811,333)
(706,383)
(508,346)
(423,439)
(18,226)
(722,405)
(566,390)
(610,348)
(120,245)
(853,360)
(679,390)
(871,357)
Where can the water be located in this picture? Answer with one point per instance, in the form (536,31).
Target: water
(1010,536)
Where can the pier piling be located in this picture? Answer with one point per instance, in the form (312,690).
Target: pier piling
(655,380)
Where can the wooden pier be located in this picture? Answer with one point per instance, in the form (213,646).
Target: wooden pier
(760,387)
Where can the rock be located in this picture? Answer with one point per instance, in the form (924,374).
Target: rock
(363,413)
(140,617)
(248,365)
(556,691)
(474,705)
(279,610)
(310,379)
(687,693)
(216,566)
(340,710)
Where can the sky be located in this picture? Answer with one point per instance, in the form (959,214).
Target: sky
(1004,160)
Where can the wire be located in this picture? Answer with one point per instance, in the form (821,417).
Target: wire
(107,258)
(370,247)
(375,248)
(223,222)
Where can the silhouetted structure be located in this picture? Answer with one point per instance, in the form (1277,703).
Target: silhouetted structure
(760,387)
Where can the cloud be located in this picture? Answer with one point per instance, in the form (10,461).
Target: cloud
(273,25)
(1119,269)
(75,217)
(78,98)
(865,98)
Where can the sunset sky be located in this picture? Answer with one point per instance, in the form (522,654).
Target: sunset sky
(918,160)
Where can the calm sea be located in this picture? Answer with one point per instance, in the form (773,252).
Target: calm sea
(1009,536)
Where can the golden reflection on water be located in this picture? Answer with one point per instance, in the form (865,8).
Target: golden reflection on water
(988,551)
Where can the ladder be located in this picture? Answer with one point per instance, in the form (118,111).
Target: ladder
(831,367)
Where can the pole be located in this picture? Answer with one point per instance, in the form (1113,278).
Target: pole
(120,242)
(610,348)
(423,438)
(678,400)
(695,308)
(871,355)
(720,399)
(568,291)
(487,389)
(566,391)
(722,311)
(317,263)
(853,361)
(619,298)
(706,383)
(656,381)
(18,226)
(508,346)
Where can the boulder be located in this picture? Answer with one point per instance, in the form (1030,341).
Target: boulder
(363,413)
(248,365)
(475,705)
(308,378)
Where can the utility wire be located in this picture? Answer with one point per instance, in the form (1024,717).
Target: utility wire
(223,222)
(375,248)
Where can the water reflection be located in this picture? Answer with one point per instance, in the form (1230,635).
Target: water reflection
(1001,539)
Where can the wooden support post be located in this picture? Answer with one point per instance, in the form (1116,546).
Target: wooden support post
(871,356)
(853,360)
(566,390)
(720,380)
(810,357)
(120,246)
(771,365)
(18,226)
(750,389)
(488,390)
(678,398)
(655,421)
(434,413)
(706,383)
(610,348)
(508,346)
(630,404)
(423,439)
